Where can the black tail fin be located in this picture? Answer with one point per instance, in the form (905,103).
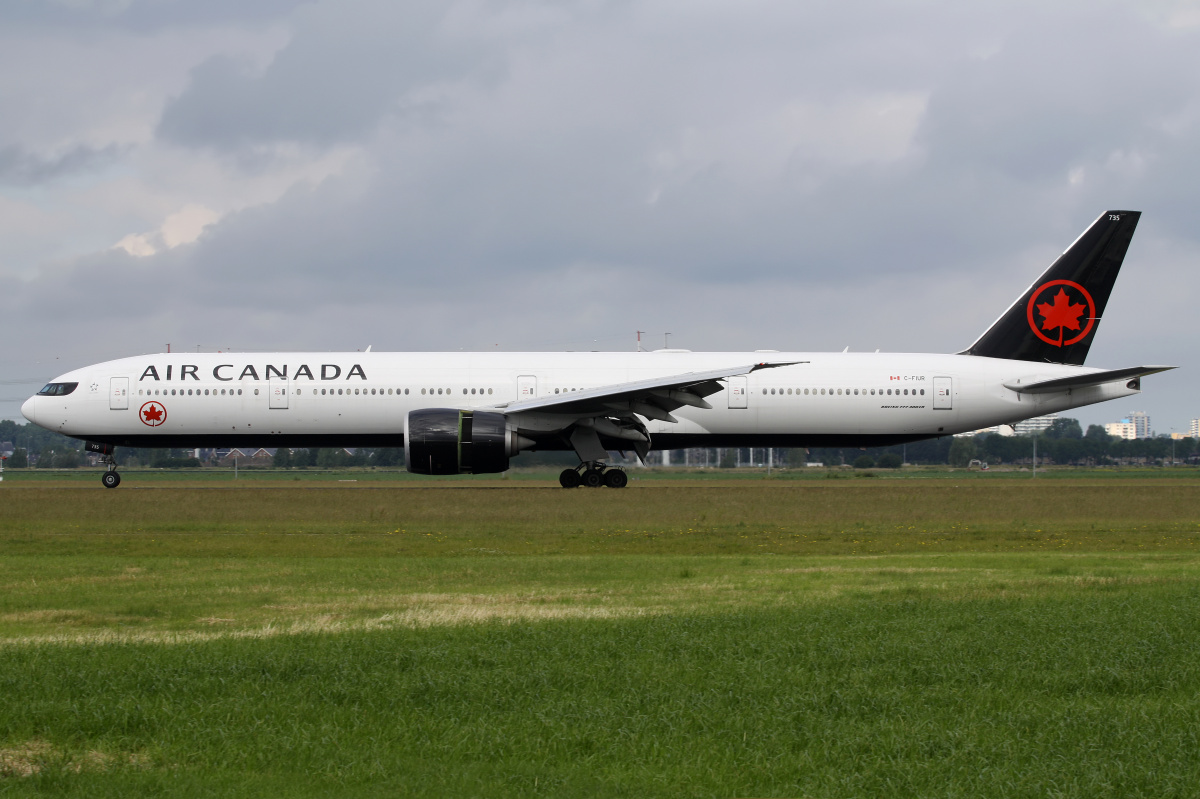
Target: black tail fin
(1056,319)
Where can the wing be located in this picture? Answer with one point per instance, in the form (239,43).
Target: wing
(654,398)
(582,417)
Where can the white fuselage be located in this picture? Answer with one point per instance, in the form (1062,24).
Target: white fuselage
(298,399)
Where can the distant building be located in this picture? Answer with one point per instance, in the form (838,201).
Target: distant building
(1028,427)
(1135,425)
(1194,428)
(1122,429)
(245,456)
(1000,430)
(1141,423)
(1032,427)
(6,449)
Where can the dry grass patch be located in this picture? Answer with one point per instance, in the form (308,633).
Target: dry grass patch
(33,757)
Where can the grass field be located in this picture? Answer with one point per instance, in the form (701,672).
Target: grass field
(941,637)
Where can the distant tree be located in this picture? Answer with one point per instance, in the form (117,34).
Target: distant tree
(728,458)
(331,458)
(864,461)
(67,459)
(1064,428)
(18,460)
(962,451)
(387,456)
(282,459)
(1067,450)
(889,460)
(1097,433)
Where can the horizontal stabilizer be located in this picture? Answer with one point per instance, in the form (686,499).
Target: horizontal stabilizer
(1083,380)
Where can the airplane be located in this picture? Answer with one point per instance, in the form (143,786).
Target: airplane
(456,412)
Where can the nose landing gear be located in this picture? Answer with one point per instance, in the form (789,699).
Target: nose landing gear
(110,478)
(593,474)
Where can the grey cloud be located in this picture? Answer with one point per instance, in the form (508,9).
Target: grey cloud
(20,167)
(576,174)
(1062,90)
(347,65)
(144,15)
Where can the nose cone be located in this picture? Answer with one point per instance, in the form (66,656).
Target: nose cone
(27,409)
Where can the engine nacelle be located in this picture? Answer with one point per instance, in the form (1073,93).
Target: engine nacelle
(447,441)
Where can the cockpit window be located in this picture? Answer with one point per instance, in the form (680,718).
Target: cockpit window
(57,389)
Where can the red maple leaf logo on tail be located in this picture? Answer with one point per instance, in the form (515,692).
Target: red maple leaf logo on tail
(1062,313)
(153,414)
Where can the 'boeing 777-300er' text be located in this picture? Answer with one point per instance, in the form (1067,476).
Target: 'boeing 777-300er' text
(457,412)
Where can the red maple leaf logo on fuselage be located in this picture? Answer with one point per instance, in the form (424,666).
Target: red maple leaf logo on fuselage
(153,414)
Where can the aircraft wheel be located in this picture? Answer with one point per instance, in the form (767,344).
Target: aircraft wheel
(593,478)
(616,478)
(569,478)
(110,479)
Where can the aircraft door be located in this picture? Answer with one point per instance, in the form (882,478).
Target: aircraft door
(943,393)
(738,393)
(278,391)
(118,394)
(526,387)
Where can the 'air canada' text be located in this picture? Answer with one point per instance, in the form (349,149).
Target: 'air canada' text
(227,372)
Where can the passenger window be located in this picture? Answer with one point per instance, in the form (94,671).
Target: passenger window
(922,392)
(489,391)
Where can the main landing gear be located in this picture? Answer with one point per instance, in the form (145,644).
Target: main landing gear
(593,475)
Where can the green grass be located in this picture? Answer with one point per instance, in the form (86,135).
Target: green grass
(548,476)
(1087,693)
(833,517)
(846,638)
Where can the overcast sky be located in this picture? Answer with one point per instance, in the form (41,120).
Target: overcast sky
(553,175)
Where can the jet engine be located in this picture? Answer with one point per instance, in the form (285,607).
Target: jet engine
(447,441)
